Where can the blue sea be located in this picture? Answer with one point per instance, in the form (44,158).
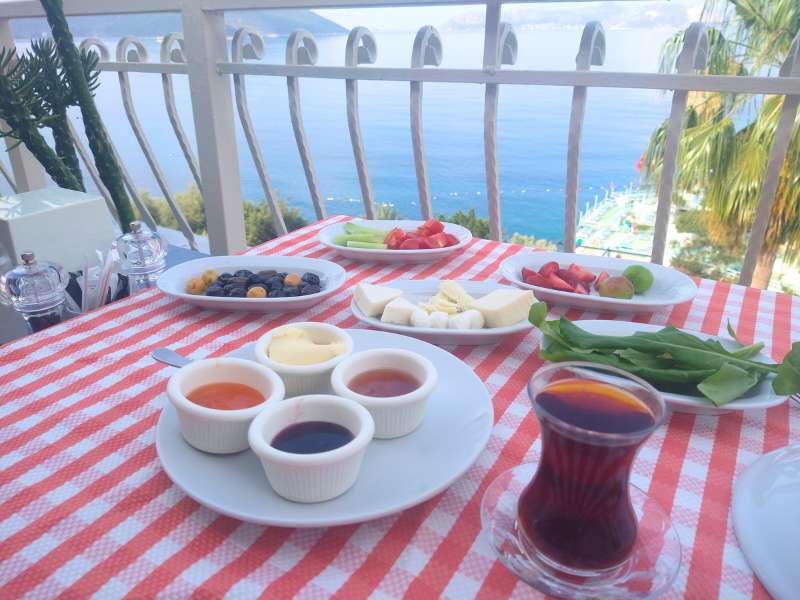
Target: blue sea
(532,130)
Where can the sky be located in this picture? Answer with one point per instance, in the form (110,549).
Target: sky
(412,18)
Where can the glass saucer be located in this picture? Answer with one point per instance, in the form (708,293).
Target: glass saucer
(647,573)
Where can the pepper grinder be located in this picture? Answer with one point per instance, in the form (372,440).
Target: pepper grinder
(143,255)
(36,291)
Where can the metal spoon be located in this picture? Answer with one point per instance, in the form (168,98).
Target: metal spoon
(170,357)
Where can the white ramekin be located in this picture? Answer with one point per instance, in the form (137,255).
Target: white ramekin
(396,415)
(211,429)
(311,477)
(301,380)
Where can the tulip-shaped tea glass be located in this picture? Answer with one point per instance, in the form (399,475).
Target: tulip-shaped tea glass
(572,525)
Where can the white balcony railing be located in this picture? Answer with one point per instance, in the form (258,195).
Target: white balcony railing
(201,53)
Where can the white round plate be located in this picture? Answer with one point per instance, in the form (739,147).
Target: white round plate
(758,398)
(396,474)
(394,256)
(420,291)
(173,281)
(669,286)
(766,518)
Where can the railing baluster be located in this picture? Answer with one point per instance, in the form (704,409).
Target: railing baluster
(693,57)
(427,51)
(361,49)
(88,162)
(98,46)
(247,43)
(138,53)
(500,48)
(172,52)
(777,154)
(301,49)
(592,51)
(214,126)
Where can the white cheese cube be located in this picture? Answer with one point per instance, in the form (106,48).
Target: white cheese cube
(398,312)
(475,318)
(438,319)
(420,318)
(459,321)
(504,307)
(372,299)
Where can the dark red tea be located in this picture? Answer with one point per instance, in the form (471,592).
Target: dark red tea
(577,511)
(383,383)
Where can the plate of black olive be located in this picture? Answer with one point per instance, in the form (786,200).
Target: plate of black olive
(253,283)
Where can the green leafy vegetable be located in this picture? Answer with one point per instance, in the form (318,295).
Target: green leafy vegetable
(670,359)
(788,379)
(727,384)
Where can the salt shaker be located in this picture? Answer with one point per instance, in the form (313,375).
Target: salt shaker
(143,255)
(36,290)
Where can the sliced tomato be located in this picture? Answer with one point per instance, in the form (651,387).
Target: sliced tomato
(437,240)
(394,238)
(534,278)
(410,244)
(582,274)
(548,268)
(430,227)
(451,239)
(558,284)
(600,279)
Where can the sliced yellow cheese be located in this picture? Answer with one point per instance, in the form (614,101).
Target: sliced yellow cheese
(455,293)
(504,307)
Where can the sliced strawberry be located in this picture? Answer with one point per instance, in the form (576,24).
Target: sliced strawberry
(559,284)
(600,279)
(582,288)
(535,279)
(548,268)
(527,272)
(569,276)
(584,275)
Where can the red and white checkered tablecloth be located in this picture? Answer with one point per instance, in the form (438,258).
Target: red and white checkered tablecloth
(85,509)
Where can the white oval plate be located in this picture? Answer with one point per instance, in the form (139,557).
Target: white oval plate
(407,256)
(766,518)
(173,281)
(419,291)
(669,286)
(396,474)
(758,398)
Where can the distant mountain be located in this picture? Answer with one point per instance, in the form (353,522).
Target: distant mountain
(276,22)
(638,15)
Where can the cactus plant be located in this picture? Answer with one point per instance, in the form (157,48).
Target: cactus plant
(54,94)
(17,108)
(96,134)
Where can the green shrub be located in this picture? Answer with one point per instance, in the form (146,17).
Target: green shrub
(477,225)
(258,223)
(532,242)
(387,212)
